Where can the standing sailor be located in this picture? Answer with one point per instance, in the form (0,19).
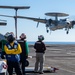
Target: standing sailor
(25,50)
(12,50)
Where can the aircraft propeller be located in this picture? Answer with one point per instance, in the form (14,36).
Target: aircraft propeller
(73,23)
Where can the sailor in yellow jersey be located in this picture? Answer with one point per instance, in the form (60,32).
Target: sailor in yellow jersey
(12,50)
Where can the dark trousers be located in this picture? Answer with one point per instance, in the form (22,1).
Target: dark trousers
(22,62)
(14,65)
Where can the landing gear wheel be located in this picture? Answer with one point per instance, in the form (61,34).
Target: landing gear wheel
(47,31)
(67,32)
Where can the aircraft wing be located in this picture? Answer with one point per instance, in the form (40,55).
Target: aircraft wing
(30,18)
(34,19)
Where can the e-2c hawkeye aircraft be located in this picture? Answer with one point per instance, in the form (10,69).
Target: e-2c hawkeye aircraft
(51,24)
(56,24)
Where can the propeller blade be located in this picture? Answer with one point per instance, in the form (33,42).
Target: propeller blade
(73,23)
(50,21)
(37,24)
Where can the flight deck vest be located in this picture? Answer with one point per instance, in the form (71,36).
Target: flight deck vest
(12,57)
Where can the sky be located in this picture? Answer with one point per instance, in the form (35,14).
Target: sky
(38,8)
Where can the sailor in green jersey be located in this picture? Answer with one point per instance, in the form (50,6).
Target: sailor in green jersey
(25,50)
(3,42)
(3,52)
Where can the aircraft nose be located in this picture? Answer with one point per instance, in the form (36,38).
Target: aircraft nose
(68,23)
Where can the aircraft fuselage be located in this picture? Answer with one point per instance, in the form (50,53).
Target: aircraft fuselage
(59,25)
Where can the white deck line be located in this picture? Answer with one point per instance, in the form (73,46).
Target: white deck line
(67,70)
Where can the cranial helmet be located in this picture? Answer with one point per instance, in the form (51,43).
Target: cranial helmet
(41,37)
(10,38)
(23,36)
